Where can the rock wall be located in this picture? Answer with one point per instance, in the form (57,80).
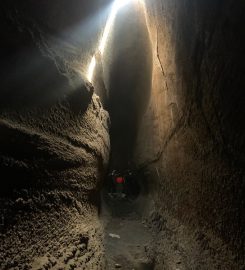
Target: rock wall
(191,142)
(54,143)
(52,163)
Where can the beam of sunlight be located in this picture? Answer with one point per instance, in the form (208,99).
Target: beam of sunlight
(115,7)
(91,69)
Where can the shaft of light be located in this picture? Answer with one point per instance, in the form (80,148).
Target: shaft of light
(116,6)
(91,69)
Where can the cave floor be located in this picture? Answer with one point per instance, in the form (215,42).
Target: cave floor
(130,250)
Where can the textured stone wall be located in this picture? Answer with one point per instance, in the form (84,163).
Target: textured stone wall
(54,142)
(52,164)
(191,142)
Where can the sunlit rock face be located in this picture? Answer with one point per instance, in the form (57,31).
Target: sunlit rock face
(191,142)
(54,142)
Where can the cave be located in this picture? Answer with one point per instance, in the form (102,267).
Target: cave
(122,135)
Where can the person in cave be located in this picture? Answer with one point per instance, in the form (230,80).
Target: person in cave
(123,184)
(117,184)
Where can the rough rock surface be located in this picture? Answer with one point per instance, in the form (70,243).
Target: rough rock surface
(191,141)
(54,143)
(53,161)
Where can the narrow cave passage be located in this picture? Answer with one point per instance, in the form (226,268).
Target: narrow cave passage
(122,135)
(127,71)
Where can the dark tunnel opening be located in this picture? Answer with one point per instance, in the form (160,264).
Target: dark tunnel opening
(138,164)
